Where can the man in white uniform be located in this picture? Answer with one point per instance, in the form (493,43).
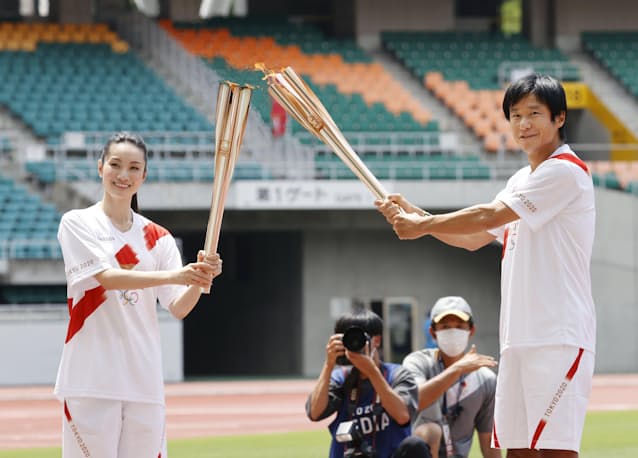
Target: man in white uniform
(545,219)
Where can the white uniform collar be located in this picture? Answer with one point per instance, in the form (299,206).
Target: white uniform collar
(564,148)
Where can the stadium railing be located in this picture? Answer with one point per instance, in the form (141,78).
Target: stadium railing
(154,43)
(511,70)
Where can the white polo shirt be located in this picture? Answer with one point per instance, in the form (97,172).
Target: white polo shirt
(545,281)
(112,347)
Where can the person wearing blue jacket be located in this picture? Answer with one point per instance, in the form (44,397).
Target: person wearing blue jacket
(373,400)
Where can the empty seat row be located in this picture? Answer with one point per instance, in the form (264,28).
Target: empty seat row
(484,59)
(162,170)
(617,52)
(347,86)
(33,294)
(59,87)
(28,226)
(407,167)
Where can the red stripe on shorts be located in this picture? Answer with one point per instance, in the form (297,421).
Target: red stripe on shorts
(574,368)
(568,377)
(92,299)
(537,433)
(495,437)
(67,414)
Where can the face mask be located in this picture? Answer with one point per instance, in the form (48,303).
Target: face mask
(453,341)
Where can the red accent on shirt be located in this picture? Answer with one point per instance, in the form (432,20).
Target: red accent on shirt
(92,299)
(537,433)
(496,444)
(67,414)
(505,236)
(152,233)
(69,302)
(126,257)
(574,368)
(574,160)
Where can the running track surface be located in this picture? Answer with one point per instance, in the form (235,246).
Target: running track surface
(31,417)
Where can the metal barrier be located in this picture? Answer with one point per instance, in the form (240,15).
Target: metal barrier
(154,43)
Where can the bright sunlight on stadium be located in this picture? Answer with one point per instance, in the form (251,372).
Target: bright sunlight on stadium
(357,228)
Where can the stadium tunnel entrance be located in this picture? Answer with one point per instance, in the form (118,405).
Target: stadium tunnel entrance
(250,324)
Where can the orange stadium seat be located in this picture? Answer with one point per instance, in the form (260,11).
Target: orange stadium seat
(364,79)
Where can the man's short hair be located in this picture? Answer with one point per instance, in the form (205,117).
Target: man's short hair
(366,319)
(546,89)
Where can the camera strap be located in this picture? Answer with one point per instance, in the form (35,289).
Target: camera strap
(352,385)
(351,390)
(448,417)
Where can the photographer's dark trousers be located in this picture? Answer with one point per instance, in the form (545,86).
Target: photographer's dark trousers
(412,447)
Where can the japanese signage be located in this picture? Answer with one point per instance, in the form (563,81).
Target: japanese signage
(302,195)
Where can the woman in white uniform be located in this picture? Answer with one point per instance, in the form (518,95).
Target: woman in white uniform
(119,265)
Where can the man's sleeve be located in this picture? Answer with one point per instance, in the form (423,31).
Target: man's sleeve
(82,252)
(417,363)
(485,416)
(404,385)
(413,363)
(335,396)
(540,196)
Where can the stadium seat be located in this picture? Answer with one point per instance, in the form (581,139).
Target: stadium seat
(617,52)
(91,81)
(28,221)
(343,76)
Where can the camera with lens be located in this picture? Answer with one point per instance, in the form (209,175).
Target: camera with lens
(349,432)
(354,339)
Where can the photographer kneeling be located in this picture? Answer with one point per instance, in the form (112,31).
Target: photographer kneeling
(374,400)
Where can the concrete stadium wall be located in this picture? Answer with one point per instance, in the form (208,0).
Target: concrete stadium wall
(614,280)
(569,17)
(375,16)
(184,10)
(31,341)
(374,264)
(575,16)
(354,254)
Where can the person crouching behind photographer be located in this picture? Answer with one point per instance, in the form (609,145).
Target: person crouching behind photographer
(456,388)
(374,400)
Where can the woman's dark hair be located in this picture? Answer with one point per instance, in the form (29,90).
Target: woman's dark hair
(126,137)
(366,319)
(546,89)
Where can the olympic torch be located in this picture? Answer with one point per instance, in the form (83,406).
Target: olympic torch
(231,114)
(301,103)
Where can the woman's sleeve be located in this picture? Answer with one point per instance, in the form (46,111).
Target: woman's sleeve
(83,255)
(170,259)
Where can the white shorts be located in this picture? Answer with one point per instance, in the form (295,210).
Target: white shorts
(104,428)
(541,397)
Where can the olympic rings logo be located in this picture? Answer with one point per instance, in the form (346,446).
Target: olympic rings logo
(129,297)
